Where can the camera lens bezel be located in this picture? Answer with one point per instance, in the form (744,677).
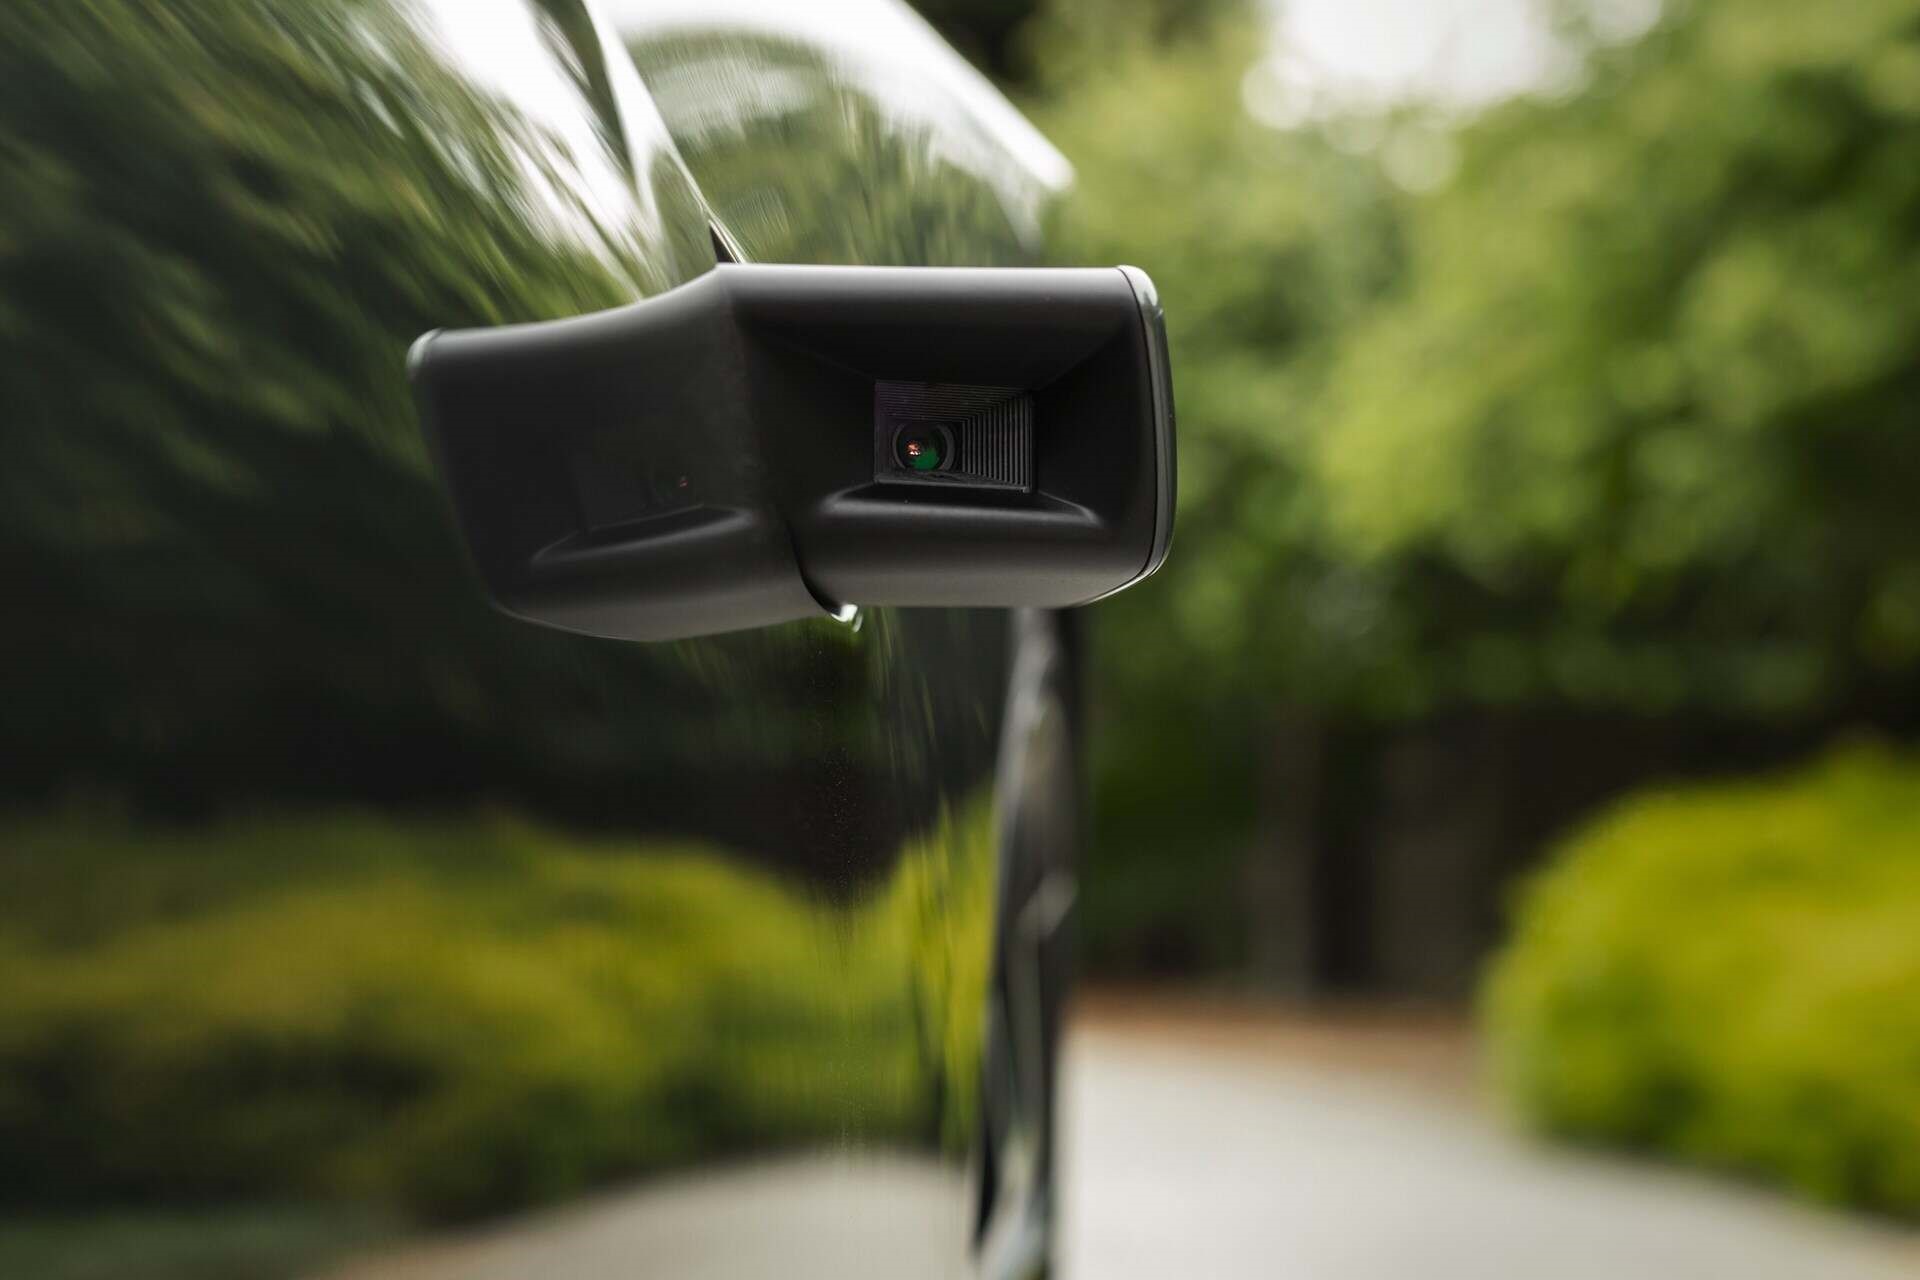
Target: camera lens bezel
(942,435)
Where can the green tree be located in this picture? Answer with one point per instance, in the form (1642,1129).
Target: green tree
(1615,423)
(1267,247)
(1637,430)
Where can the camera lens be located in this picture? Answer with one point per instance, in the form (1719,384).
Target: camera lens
(923,446)
(668,485)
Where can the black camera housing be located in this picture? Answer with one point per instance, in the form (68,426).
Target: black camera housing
(722,456)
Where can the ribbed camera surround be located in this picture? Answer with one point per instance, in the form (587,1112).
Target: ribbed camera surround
(992,431)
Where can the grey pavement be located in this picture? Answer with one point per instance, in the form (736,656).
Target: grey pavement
(875,1216)
(1282,1153)
(1215,1143)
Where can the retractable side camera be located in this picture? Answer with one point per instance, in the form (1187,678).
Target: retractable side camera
(764,443)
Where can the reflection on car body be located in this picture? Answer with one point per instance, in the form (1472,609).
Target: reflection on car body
(810,997)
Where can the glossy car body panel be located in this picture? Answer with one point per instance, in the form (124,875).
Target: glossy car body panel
(857,1076)
(842,132)
(823,135)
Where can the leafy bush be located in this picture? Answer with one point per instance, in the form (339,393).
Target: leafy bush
(459,1017)
(1729,974)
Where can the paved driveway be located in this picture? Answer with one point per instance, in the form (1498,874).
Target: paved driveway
(1213,1146)
(1209,1143)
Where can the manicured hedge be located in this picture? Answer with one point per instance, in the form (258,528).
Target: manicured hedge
(1730,975)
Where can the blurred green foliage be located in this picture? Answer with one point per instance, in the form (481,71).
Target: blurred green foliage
(1615,415)
(453,1017)
(1617,419)
(252,1242)
(224,224)
(1727,973)
(1635,427)
(1266,248)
